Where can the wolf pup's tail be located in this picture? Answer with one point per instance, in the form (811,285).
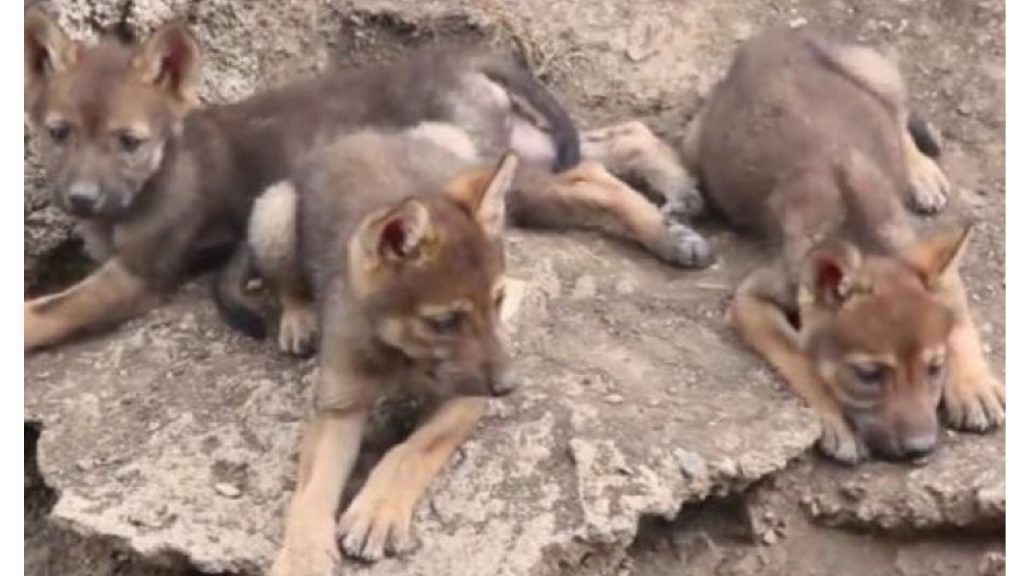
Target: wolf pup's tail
(523,85)
(238,309)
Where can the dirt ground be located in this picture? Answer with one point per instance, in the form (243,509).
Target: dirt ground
(953,54)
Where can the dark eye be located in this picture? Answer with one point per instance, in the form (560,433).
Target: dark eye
(59,132)
(936,368)
(445,322)
(129,142)
(871,374)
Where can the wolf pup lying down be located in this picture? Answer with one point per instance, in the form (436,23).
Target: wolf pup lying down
(397,238)
(155,181)
(810,143)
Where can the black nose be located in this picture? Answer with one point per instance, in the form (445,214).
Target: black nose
(82,198)
(504,383)
(918,446)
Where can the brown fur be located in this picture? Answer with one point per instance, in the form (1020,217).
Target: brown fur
(155,180)
(806,142)
(394,238)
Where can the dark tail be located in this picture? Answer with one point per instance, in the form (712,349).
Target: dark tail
(238,309)
(520,82)
(925,138)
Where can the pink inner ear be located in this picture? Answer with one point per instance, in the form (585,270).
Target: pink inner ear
(392,237)
(829,276)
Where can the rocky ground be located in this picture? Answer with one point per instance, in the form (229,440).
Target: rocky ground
(644,442)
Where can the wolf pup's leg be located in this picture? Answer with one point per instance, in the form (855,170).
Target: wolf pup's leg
(632,148)
(379,519)
(929,188)
(273,239)
(588,196)
(761,321)
(330,446)
(109,295)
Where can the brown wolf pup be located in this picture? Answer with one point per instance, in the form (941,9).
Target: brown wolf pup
(397,238)
(810,143)
(156,181)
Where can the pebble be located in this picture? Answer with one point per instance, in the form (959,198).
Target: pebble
(614,398)
(770,537)
(227,490)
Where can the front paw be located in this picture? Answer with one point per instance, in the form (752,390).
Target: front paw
(975,403)
(379,520)
(311,555)
(840,443)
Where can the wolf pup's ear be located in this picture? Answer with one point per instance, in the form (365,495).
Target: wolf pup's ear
(939,254)
(169,60)
(48,50)
(395,235)
(482,194)
(828,273)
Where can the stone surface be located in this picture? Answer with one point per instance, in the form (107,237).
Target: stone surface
(637,401)
(962,485)
(145,428)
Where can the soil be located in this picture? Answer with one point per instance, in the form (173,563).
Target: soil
(953,55)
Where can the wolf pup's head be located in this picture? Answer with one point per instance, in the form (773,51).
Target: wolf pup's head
(105,112)
(428,272)
(877,328)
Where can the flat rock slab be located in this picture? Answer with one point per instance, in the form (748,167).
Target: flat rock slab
(963,485)
(179,438)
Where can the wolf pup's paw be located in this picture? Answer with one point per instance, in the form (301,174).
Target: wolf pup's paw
(975,403)
(297,332)
(840,443)
(313,556)
(929,188)
(684,247)
(683,206)
(379,519)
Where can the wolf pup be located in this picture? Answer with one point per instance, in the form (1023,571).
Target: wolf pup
(810,143)
(155,181)
(397,238)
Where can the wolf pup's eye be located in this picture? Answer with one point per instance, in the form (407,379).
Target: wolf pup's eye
(936,368)
(128,142)
(59,132)
(873,375)
(445,322)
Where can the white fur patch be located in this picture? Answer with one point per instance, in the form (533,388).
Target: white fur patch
(272,225)
(447,136)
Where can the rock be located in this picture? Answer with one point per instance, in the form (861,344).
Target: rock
(552,479)
(227,490)
(962,486)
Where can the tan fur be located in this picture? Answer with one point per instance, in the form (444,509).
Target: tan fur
(807,142)
(107,295)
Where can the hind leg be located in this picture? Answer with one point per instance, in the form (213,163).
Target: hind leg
(588,196)
(272,237)
(631,148)
(929,188)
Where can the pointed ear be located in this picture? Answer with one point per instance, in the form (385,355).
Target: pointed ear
(483,193)
(828,272)
(394,235)
(48,50)
(939,254)
(169,60)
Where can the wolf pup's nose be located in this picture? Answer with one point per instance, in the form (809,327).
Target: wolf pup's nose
(504,382)
(918,446)
(83,197)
